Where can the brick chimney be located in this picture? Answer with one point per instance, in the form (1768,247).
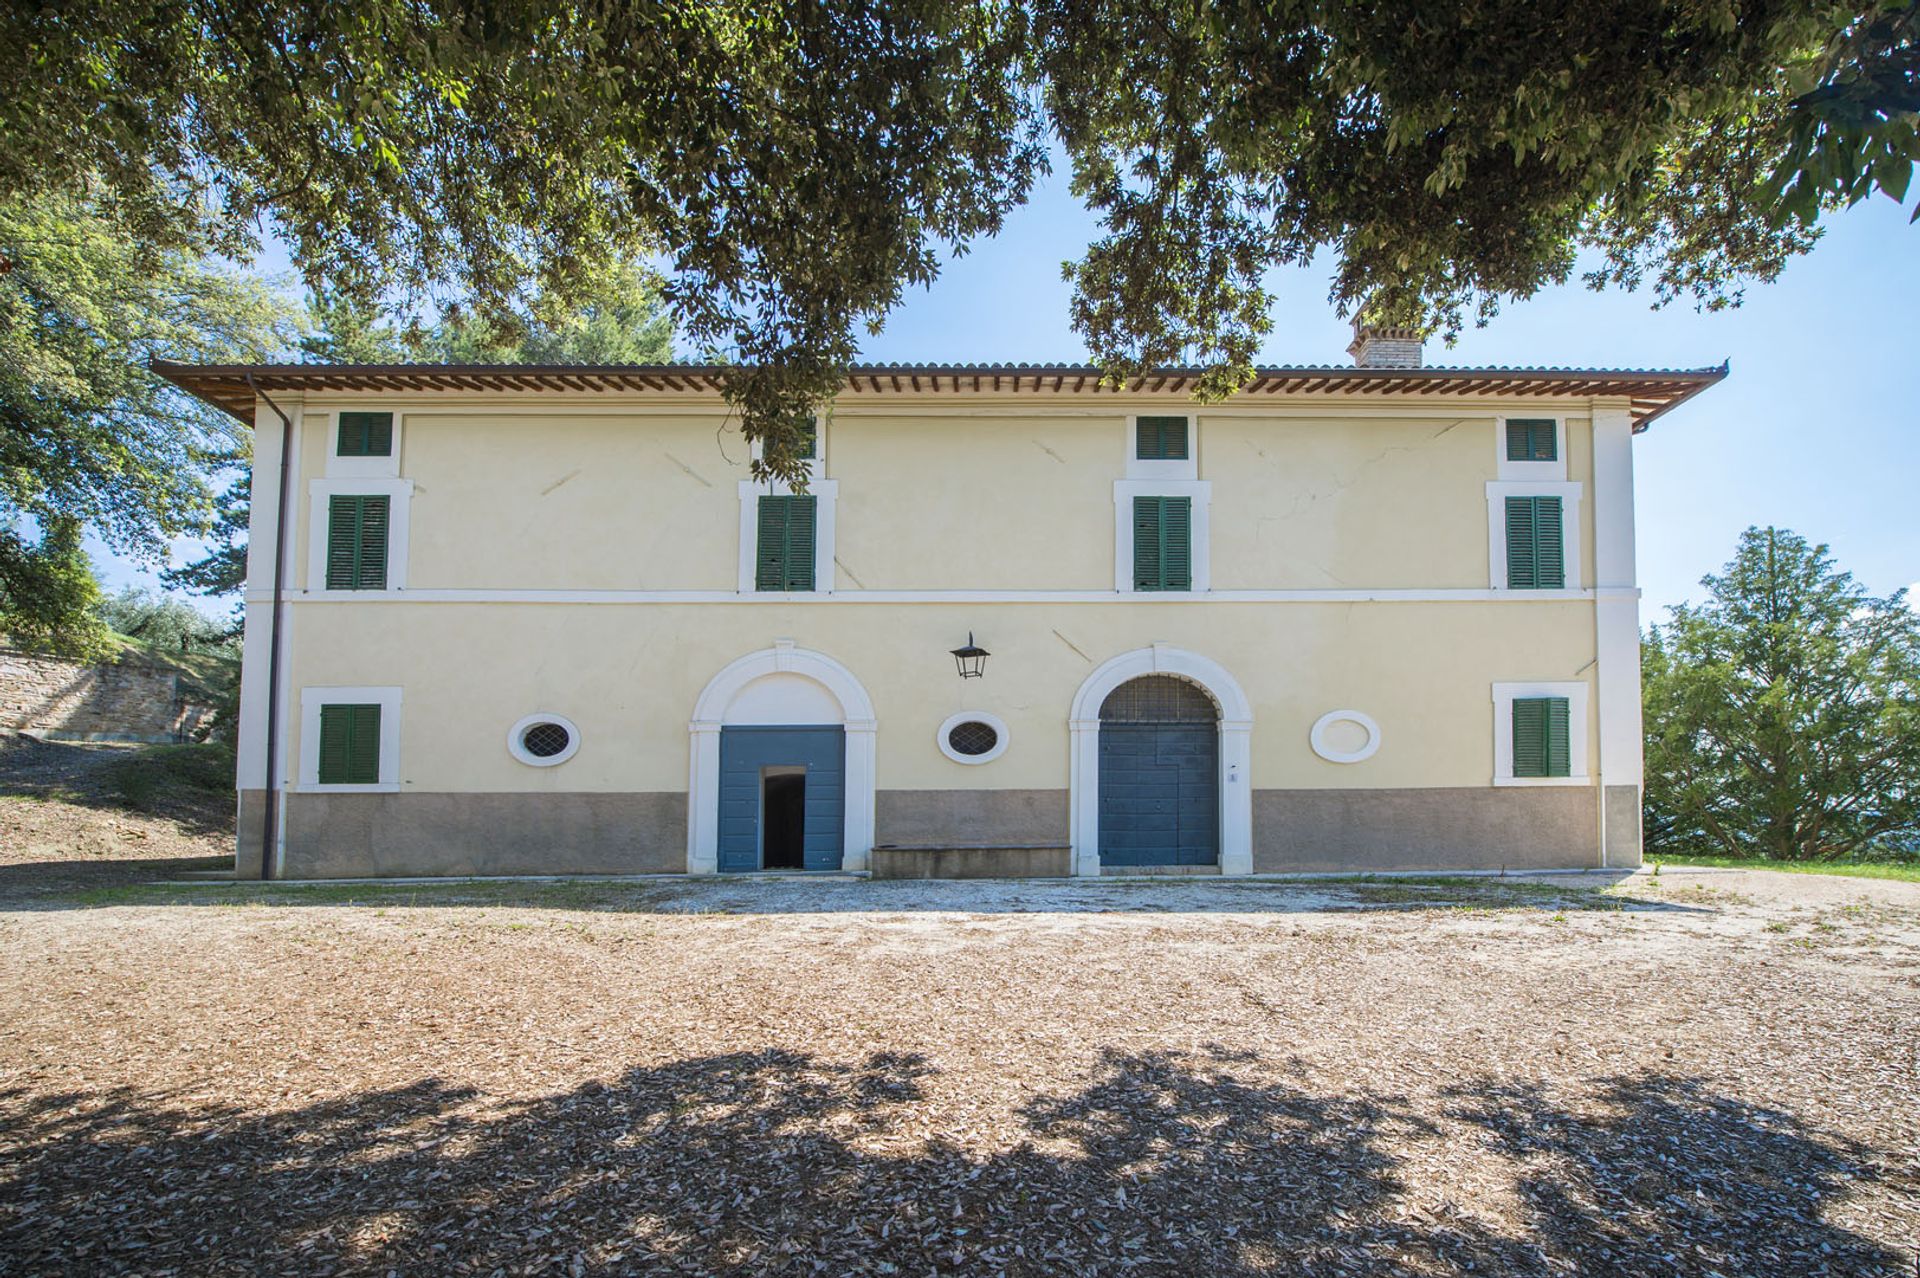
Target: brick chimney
(1381,346)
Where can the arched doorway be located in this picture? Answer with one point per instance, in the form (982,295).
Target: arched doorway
(1233,727)
(782,770)
(1159,775)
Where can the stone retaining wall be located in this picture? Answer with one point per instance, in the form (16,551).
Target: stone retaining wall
(135,699)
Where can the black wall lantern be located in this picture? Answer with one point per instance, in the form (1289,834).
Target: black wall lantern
(971,659)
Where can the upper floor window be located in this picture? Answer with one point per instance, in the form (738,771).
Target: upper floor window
(1162,543)
(1533,439)
(1161,439)
(357,532)
(1531,449)
(365,435)
(357,528)
(1536,544)
(784,555)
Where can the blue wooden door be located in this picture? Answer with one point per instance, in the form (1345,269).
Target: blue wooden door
(1159,794)
(745,755)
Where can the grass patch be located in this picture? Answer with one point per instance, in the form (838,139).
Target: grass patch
(1903,871)
(143,779)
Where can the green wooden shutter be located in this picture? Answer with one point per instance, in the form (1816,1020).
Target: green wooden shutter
(1559,753)
(800,550)
(1146,543)
(357,528)
(349,745)
(783,555)
(343,540)
(1549,552)
(1530,737)
(1161,439)
(1540,739)
(366,435)
(1536,546)
(1520,544)
(1163,543)
(1532,439)
(1176,543)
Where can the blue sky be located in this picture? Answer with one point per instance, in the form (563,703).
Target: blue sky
(1814,430)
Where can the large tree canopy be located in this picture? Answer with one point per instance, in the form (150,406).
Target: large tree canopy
(1783,714)
(797,165)
(88,437)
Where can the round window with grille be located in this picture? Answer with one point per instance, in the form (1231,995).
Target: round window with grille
(543,740)
(973,736)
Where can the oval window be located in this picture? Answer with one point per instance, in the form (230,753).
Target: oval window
(973,737)
(543,740)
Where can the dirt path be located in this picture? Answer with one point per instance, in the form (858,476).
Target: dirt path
(1708,1073)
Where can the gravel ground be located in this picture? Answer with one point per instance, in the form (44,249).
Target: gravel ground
(1701,1073)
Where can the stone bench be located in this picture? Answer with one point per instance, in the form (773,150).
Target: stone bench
(972,861)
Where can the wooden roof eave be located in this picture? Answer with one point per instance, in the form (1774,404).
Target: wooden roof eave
(231,388)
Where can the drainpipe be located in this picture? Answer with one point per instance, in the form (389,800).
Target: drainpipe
(270,824)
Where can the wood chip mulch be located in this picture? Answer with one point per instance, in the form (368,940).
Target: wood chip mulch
(799,1078)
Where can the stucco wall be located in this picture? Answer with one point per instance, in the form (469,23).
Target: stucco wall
(940,499)
(628,676)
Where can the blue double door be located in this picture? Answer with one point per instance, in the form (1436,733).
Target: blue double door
(783,798)
(1159,794)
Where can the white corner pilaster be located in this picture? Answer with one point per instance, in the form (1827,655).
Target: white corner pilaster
(1616,611)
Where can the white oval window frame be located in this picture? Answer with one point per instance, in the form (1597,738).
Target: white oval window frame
(1318,737)
(532,760)
(993,721)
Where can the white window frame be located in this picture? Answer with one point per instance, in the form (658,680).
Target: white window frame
(518,749)
(993,721)
(1554,471)
(311,699)
(1200,491)
(1186,469)
(399,495)
(1504,695)
(1569,495)
(361,467)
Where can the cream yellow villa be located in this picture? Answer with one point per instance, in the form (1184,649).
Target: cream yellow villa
(539,620)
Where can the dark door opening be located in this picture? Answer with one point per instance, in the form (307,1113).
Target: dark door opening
(783,819)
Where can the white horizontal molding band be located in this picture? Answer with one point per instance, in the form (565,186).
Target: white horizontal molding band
(763,598)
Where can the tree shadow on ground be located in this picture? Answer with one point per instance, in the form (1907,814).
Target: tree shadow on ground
(51,884)
(781,1163)
(109,777)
